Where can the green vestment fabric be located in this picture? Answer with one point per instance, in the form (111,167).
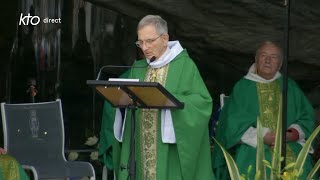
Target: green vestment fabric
(189,157)
(106,135)
(241,111)
(107,142)
(10,169)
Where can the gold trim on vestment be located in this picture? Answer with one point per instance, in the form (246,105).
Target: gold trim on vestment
(149,127)
(269,96)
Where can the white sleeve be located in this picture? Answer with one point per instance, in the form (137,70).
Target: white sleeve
(250,137)
(119,124)
(302,136)
(167,130)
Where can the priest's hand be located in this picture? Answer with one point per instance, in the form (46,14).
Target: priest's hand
(292,135)
(269,139)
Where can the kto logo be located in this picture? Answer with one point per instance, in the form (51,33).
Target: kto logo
(35,20)
(25,20)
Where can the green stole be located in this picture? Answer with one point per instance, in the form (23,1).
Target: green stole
(149,121)
(269,96)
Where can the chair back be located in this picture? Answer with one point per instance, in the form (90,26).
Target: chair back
(34,135)
(34,132)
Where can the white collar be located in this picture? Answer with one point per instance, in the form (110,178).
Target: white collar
(256,78)
(174,48)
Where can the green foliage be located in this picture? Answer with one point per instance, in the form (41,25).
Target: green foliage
(276,158)
(292,171)
(314,170)
(260,167)
(232,167)
(304,151)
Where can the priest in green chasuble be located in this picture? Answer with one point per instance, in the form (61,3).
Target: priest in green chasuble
(258,94)
(170,144)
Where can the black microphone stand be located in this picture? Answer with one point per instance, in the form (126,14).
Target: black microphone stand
(153,58)
(132,160)
(285,84)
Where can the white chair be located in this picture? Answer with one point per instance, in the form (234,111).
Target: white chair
(34,135)
(223,99)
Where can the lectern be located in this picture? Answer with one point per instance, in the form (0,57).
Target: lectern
(133,95)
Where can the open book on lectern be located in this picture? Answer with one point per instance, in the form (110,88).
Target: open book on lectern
(151,95)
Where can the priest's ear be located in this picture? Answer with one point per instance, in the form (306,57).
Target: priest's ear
(165,38)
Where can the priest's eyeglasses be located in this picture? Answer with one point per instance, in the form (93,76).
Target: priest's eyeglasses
(147,42)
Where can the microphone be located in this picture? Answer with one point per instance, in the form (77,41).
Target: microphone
(153,58)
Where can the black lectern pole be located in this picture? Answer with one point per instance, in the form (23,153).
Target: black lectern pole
(132,159)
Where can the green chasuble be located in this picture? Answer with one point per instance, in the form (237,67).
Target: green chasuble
(189,157)
(108,143)
(106,135)
(240,112)
(10,169)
